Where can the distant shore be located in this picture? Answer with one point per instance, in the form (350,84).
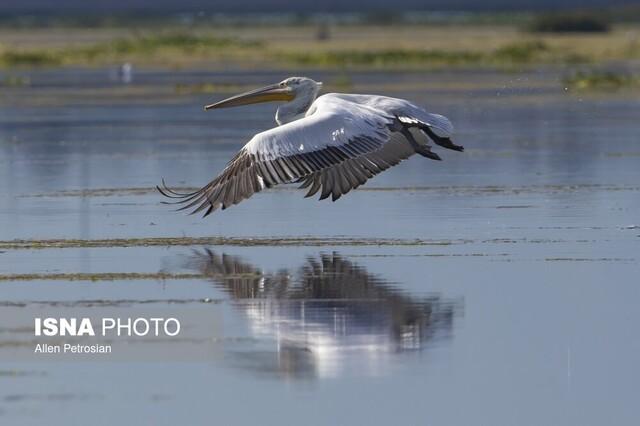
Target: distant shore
(311,46)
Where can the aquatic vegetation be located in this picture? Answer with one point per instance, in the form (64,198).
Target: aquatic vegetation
(438,189)
(379,58)
(347,48)
(104,276)
(32,58)
(216,241)
(520,52)
(172,45)
(149,44)
(600,80)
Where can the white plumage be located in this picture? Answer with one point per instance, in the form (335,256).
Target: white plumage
(332,143)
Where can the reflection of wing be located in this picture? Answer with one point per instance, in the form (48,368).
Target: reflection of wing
(240,279)
(322,311)
(336,148)
(327,281)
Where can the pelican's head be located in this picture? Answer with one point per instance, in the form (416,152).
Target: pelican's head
(301,89)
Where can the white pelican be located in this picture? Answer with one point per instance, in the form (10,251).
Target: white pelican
(331,143)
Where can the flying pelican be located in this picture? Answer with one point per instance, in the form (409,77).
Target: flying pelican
(331,143)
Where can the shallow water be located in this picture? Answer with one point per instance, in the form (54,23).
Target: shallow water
(502,280)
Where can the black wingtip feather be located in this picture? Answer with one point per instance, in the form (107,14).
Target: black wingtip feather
(170,193)
(208,212)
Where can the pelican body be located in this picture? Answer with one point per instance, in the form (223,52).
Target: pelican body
(331,143)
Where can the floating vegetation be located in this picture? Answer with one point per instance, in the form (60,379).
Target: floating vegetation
(450,190)
(600,80)
(264,242)
(220,241)
(104,276)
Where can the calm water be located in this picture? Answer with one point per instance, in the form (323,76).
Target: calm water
(518,304)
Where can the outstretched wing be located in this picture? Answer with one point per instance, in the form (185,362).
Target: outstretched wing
(335,149)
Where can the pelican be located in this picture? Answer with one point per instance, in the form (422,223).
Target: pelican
(331,143)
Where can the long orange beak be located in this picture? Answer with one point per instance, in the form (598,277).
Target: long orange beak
(265,94)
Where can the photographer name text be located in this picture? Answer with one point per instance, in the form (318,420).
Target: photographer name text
(104,327)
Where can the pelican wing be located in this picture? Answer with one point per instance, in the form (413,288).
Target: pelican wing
(335,149)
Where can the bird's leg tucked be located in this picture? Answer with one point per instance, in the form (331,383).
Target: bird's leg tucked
(422,149)
(439,140)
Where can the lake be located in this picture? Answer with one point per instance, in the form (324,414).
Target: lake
(499,286)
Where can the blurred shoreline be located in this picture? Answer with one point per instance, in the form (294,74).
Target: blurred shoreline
(583,50)
(394,41)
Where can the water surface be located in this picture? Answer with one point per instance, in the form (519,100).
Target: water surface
(498,286)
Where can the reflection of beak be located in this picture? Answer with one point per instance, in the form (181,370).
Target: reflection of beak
(270,93)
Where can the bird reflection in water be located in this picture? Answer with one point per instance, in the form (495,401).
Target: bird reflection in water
(327,317)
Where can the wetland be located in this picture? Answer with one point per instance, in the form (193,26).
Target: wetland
(514,264)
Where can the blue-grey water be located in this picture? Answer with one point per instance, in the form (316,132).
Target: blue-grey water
(518,305)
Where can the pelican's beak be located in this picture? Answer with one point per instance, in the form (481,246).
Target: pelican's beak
(275,92)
